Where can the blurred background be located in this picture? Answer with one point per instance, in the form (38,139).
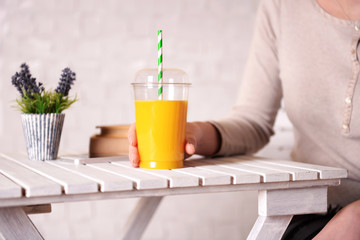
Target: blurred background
(106,42)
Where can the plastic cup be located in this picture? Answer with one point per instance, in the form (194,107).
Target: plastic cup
(161,124)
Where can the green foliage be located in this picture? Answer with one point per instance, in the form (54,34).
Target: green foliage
(34,98)
(44,102)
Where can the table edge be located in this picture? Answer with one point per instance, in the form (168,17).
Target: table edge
(25,201)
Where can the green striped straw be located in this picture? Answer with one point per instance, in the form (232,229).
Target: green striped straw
(160,65)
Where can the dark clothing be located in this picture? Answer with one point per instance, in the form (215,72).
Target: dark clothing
(306,227)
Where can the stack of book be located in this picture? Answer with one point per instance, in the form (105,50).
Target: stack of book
(112,141)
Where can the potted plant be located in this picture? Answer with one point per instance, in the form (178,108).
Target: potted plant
(42,116)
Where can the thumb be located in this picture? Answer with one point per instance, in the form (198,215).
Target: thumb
(190,145)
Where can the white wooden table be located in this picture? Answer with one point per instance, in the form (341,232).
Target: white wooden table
(284,188)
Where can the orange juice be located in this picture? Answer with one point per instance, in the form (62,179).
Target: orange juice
(160,129)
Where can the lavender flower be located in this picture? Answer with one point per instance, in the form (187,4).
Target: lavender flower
(66,80)
(25,83)
(34,99)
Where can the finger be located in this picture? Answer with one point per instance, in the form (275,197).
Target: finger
(132,135)
(134,156)
(190,148)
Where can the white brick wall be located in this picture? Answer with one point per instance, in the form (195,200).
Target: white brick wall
(106,43)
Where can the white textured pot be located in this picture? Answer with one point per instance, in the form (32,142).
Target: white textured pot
(42,134)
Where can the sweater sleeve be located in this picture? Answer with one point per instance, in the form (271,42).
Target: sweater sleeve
(249,126)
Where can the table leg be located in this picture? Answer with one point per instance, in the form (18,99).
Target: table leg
(140,217)
(270,228)
(15,224)
(277,207)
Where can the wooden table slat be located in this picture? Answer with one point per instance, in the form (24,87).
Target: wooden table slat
(141,180)
(324,171)
(268,175)
(207,178)
(296,174)
(84,159)
(33,183)
(8,188)
(238,176)
(176,179)
(108,181)
(72,184)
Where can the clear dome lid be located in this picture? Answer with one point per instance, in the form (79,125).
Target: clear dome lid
(170,76)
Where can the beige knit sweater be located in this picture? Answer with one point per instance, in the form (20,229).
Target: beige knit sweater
(309,59)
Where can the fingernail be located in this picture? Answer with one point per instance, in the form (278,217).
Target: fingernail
(135,164)
(192,148)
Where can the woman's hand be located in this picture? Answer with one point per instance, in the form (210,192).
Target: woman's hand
(133,148)
(201,138)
